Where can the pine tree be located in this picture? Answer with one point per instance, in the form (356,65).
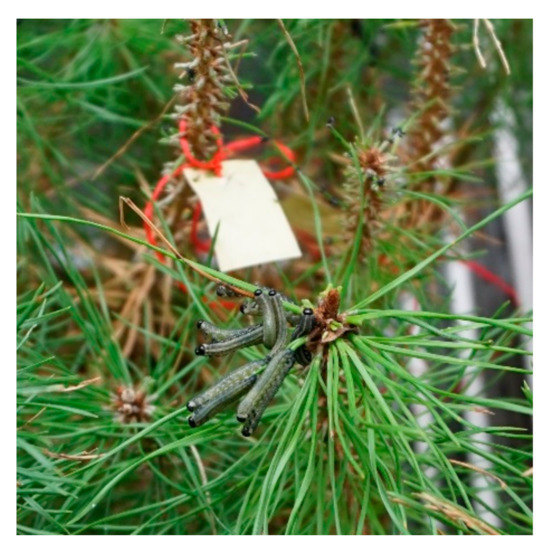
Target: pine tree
(360,440)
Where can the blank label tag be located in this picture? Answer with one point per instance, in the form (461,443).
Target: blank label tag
(253,228)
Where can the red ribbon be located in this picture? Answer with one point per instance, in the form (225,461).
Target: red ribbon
(493,279)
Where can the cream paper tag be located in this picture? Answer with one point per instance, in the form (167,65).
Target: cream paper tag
(253,228)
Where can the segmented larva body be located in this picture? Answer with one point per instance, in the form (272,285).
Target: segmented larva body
(273,332)
(303,328)
(305,324)
(280,322)
(252,307)
(258,398)
(221,334)
(221,400)
(266,379)
(292,318)
(226,384)
(266,304)
(248,338)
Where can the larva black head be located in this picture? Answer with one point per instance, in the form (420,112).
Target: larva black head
(241,418)
(398,132)
(265,139)
(200,350)
(307,311)
(246,432)
(258,292)
(241,308)
(191,406)
(272,292)
(199,324)
(192,422)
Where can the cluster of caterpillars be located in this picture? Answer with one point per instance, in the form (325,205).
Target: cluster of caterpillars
(255,383)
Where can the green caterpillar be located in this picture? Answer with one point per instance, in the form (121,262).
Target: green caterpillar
(273,332)
(242,340)
(221,400)
(226,384)
(221,334)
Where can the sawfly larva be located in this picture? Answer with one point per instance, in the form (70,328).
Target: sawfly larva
(280,323)
(268,379)
(221,334)
(252,307)
(225,384)
(220,401)
(268,384)
(303,328)
(267,309)
(249,338)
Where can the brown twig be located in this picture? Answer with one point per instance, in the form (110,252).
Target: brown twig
(233,75)
(130,203)
(498,45)
(477,49)
(204,480)
(193,265)
(132,138)
(300,66)
(528,472)
(456,514)
(496,42)
(83,457)
(33,417)
(82,384)
(479,470)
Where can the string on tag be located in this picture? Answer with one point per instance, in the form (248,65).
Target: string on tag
(213,165)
